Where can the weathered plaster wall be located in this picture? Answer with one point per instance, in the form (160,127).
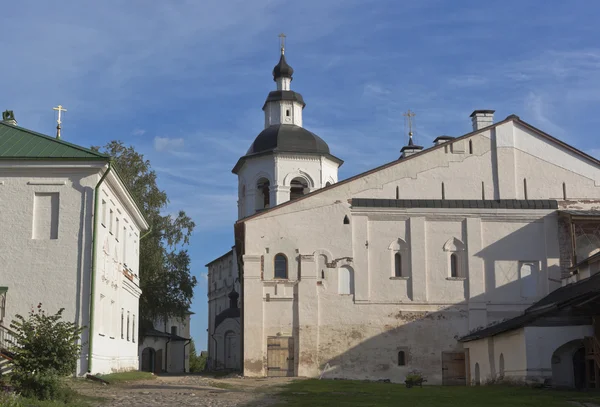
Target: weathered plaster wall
(356,333)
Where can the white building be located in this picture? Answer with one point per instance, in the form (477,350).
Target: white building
(165,346)
(391,270)
(55,251)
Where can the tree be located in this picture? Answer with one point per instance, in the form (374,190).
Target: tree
(165,278)
(197,362)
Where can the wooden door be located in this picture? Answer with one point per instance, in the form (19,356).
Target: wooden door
(158,361)
(453,369)
(280,356)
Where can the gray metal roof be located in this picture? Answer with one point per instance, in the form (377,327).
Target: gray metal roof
(455,203)
(288,138)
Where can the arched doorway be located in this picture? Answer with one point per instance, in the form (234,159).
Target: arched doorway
(568,365)
(477,375)
(148,356)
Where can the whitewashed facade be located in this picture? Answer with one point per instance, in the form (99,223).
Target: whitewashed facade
(383,273)
(46,248)
(165,347)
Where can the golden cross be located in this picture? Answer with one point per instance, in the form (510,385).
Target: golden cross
(282,42)
(60,109)
(409,115)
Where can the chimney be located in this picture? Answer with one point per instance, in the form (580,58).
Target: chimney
(442,139)
(8,117)
(482,118)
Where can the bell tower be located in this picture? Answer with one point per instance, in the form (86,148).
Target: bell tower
(285,161)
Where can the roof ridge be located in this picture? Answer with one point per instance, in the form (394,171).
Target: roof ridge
(59,141)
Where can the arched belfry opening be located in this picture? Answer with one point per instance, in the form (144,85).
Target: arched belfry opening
(298,188)
(263,194)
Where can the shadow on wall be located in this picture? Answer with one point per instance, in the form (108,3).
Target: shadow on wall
(390,346)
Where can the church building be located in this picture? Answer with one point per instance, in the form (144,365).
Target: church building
(70,239)
(410,266)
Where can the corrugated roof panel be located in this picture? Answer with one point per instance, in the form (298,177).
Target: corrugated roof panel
(19,143)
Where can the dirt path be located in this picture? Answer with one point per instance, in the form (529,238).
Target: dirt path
(186,391)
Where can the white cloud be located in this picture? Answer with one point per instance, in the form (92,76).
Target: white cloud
(138,132)
(167,144)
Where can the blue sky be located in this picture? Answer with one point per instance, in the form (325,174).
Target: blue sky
(184,82)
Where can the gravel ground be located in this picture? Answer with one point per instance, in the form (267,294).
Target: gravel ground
(186,391)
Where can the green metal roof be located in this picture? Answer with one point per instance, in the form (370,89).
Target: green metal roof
(19,143)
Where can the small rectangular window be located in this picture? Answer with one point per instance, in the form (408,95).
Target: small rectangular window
(45,215)
(173,330)
(122,321)
(125,245)
(102,315)
(117,230)
(128,326)
(133,332)
(110,221)
(111,326)
(103,213)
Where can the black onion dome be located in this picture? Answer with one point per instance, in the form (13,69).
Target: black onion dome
(233,295)
(282,69)
(288,138)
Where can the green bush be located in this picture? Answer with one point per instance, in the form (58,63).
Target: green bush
(45,349)
(8,399)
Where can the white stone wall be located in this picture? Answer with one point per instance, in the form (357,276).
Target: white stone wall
(509,260)
(116,321)
(527,353)
(54,272)
(280,170)
(385,314)
(46,252)
(222,276)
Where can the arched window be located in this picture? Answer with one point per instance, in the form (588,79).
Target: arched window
(281,270)
(399,258)
(456,258)
(397,192)
(477,375)
(346,280)
(298,186)
(401,358)
(453,265)
(470,146)
(564,191)
(397,265)
(263,196)
(501,369)
(174,330)
(346,220)
(525,188)
(443,191)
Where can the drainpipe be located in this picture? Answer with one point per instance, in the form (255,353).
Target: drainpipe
(186,344)
(93,276)
(167,355)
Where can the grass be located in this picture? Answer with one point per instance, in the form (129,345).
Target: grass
(124,377)
(329,393)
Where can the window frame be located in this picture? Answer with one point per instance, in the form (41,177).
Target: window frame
(398,264)
(287,271)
